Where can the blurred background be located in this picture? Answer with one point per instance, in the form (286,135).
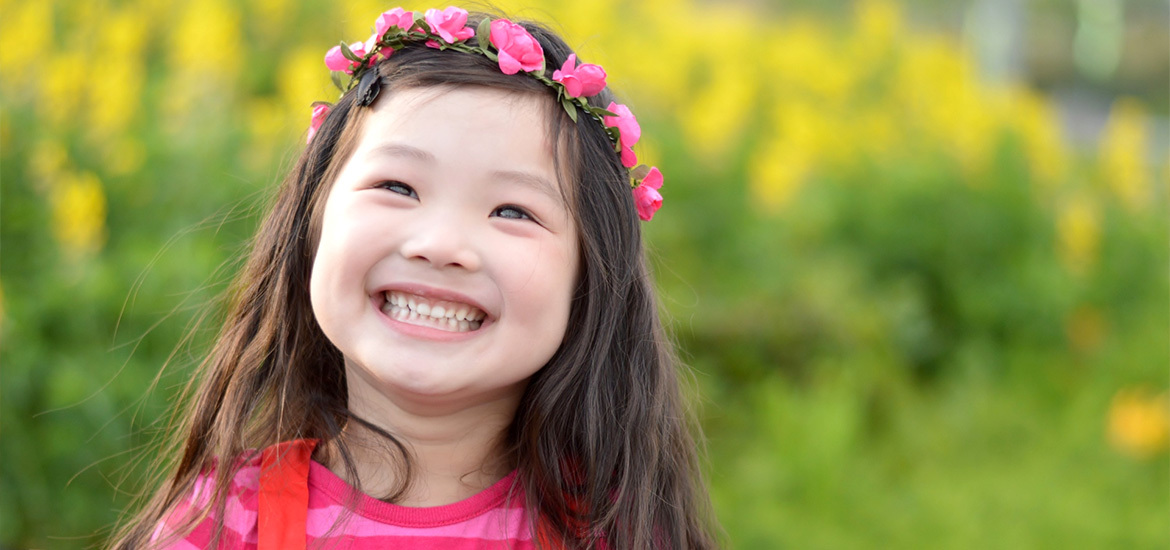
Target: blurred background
(915,252)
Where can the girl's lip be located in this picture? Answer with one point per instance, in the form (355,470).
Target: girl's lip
(431,293)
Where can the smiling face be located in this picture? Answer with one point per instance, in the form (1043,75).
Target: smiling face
(447,256)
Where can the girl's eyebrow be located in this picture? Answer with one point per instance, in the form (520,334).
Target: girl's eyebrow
(401,150)
(530,180)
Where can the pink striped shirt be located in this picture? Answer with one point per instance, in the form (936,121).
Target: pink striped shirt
(493,518)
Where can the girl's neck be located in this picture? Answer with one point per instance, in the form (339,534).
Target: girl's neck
(454,455)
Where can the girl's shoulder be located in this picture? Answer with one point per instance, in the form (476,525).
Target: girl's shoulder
(240,509)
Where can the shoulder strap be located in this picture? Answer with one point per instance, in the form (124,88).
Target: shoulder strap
(284,495)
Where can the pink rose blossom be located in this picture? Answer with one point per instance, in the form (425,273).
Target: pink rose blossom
(630,131)
(450,24)
(518,49)
(336,61)
(320,111)
(586,80)
(393,18)
(646,197)
(629,158)
(625,122)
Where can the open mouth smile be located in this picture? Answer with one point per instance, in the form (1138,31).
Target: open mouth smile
(439,314)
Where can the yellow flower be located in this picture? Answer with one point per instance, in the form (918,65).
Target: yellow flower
(581,21)
(1123,149)
(303,79)
(658,62)
(358,17)
(806,59)
(79,213)
(717,112)
(115,96)
(62,86)
(206,42)
(1078,228)
(936,86)
(25,33)
(879,26)
(1139,423)
(115,88)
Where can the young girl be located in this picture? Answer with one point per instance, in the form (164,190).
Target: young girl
(447,308)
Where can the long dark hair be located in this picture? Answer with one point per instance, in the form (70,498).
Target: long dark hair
(602,438)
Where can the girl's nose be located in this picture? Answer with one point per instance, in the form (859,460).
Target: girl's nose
(442,243)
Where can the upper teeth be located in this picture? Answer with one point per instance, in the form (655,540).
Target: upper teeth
(436,309)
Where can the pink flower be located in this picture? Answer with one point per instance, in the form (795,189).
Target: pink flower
(320,111)
(630,131)
(646,197)
(450,24)
(389,19)
(625,122)
(393,18)
(629,159)
(336,61)
(518,49)
(586,80)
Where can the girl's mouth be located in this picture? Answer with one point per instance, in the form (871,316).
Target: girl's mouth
(440,314)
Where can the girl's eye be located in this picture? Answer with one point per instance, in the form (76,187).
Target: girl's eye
(511,212)
(398,187)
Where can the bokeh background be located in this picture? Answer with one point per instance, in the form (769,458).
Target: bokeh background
(915,252)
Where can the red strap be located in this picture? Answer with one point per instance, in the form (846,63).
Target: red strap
(284,495)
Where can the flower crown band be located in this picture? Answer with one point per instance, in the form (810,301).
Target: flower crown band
(515,50)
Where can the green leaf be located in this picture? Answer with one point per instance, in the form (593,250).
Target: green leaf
(336,78)
(483,33)
(491,55)
(640,172)
(348,53)
(601,112)
(569,108)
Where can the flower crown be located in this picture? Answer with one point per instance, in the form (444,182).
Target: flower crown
(510,45)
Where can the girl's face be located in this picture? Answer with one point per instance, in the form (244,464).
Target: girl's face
(447,256)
